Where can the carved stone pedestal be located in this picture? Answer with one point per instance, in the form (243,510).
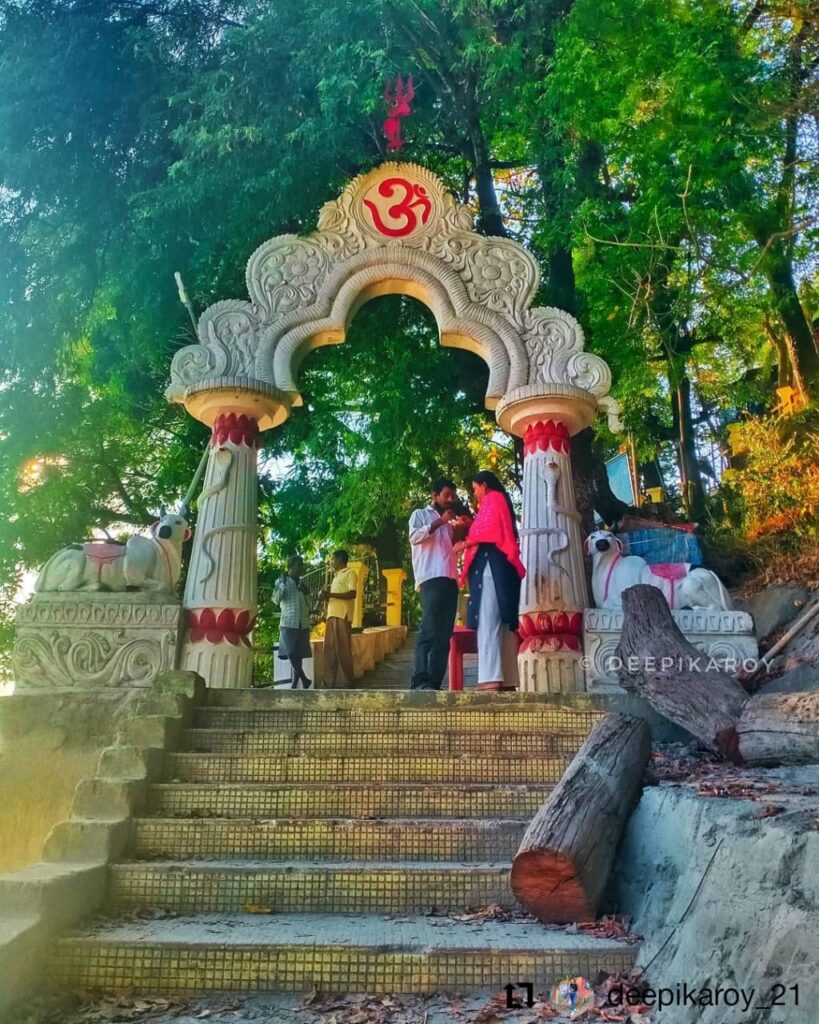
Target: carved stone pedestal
(726,637)
(87,640)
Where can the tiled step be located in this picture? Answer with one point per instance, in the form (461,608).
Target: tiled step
(305,839)
(355,887)
(328,800)
(351,744)
(377,769)
(546,719)
(331,953)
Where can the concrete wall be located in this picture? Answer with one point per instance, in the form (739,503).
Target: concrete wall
(53,758)
(48,743)
(724,898)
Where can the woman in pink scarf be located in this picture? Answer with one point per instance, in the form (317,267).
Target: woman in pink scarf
(493,567)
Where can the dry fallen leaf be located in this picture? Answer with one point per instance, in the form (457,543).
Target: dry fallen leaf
(256,908)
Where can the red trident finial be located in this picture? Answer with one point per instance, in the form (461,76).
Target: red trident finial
(398,106)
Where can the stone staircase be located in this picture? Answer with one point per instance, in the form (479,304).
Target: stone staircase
(394,673)
(337,840)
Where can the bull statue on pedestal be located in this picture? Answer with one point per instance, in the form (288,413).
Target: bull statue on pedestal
(683,585)
(141,563)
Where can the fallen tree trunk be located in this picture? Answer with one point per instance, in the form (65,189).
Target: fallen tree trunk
(657,663)
(780,728)
(565,858)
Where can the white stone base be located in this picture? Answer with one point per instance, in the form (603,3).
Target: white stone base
(726,637)
(551,672)
(223,666)
(95,639)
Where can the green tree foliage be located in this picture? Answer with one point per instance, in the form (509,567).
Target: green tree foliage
(658,157)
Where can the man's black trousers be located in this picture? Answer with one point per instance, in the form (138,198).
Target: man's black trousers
(439,605)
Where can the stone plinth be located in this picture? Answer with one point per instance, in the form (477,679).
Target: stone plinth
(86,640)
(726,637)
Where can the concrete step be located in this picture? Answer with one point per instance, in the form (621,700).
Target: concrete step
(310,839)
(390,700)
(349,887)
(332,953)
(328,800)
(377,769)
(457,718)
(357,744)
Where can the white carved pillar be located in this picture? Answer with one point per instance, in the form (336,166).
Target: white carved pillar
(554,591)
(220,592)
(221,588)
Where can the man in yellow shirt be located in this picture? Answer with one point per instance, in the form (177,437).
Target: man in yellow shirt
(341,595)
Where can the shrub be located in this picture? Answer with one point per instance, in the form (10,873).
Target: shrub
(772,487)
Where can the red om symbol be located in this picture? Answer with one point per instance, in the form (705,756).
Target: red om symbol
(402,211)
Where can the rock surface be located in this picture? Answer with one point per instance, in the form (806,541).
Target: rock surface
(773,608)
(725,896)
(801,679)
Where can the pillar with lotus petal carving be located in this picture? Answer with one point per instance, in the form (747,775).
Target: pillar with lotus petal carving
(554,591)
(220,592)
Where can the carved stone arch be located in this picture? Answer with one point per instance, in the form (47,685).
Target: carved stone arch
(393,230)
(461,323)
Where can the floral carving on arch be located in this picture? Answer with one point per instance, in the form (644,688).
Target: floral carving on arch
(393,230)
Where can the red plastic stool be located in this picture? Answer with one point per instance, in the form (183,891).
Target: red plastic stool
(463,641)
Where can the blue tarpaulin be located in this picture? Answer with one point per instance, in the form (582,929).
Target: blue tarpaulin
(662,545)
(619,474)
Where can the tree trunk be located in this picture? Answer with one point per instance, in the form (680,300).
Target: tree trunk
(692,486)
(592,488)
(786,373)
(780,728)
(661,666)
(799,335)
(562,291)
(561,869)
(490,218)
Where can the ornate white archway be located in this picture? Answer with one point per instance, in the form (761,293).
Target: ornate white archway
(395,230)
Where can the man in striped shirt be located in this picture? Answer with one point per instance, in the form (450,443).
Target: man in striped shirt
(294,628)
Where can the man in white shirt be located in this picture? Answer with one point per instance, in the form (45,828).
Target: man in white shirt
(433,565)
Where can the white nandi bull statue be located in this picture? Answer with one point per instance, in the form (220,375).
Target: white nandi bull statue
(141,563)
(681,585)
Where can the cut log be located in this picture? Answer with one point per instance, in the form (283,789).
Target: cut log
(780,728)
(657,663)
(566,855)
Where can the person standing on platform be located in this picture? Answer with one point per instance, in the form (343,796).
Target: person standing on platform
(493,567)
(436,578)
(338,643)
(294,628)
